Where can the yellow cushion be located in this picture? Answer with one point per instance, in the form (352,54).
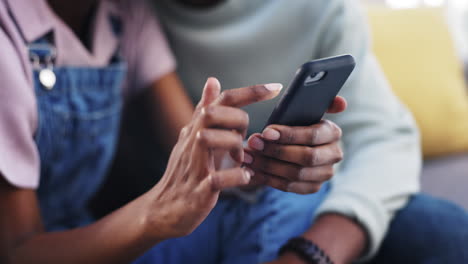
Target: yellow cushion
(418,56)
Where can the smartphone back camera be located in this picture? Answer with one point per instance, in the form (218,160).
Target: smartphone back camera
(315,77)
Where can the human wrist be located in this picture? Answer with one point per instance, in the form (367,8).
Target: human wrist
(154,212)
(340,237)
(306,250)
(291,258)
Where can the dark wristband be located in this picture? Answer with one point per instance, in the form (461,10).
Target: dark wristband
(306,250)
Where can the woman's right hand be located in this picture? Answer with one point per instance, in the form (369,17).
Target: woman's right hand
(174,207)
(191,185)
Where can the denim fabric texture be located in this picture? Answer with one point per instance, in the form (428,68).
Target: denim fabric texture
(76,136)
(238,232)
(427,231)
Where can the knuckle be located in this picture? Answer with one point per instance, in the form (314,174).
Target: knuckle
(276,151)
(285,186)
(215,182)
(314,188)
(227,97)
(339,154)
(184,132)
(297,174)
(202,137)
(335,129)
(329,172)
(310,157)
(208,114)
(313,135)
(339,132)
(289,135)
(328,123)
(300,190)
(245,119)
(278,183)
(241,120)
(258,92)
(303,174)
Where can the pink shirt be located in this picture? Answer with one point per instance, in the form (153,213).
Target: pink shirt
(143,47)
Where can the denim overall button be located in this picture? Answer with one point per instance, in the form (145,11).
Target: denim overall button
(47,78)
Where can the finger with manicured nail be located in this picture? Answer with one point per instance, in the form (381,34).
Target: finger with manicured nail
(271,134)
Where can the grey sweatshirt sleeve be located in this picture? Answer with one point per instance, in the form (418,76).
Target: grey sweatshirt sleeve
(380,139)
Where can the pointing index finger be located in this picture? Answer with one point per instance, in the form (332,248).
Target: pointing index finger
(248,95)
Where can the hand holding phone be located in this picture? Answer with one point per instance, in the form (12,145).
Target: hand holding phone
(296,151)
(312,91)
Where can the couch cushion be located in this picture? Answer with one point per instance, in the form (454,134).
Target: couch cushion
(447,178)
(417,54)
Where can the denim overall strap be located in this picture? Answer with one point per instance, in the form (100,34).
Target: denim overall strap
(77,131)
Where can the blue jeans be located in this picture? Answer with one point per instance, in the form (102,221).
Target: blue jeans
(237,232)
(426,231)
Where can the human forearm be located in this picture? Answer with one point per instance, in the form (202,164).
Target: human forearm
(338,236)
(117,238)
(175,207)
(381,145)
(382,155)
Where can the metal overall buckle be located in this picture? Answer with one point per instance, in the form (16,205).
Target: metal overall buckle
(43,57)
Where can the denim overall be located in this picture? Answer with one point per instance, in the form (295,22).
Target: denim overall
(78,124)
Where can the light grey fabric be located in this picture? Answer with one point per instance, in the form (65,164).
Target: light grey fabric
(447,177)
(245,42)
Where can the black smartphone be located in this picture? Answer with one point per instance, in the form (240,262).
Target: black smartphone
(312,91)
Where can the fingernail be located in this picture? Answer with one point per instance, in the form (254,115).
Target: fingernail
(274,87)
(248,174)
(248,159)
(271,134)
(257,144)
